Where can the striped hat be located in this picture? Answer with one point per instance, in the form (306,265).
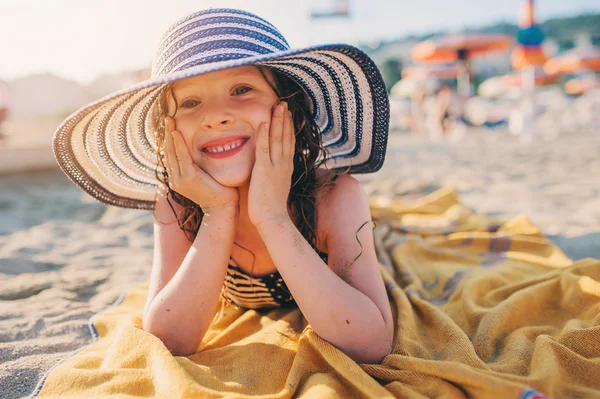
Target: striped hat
(108,148)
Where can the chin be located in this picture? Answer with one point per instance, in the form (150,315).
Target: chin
(231,178)
(233,182)
(230,172)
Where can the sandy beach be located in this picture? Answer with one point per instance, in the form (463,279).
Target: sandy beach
(65,257)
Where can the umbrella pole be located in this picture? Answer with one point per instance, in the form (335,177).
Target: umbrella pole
(527,87)
(464,84)
(528,79)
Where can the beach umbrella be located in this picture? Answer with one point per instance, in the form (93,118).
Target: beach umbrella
(580,59)
(460,48)
(528,55)
(583,60)
(424,72)
(528,51)
(523,56)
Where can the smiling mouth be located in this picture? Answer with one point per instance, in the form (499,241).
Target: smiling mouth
(226,147)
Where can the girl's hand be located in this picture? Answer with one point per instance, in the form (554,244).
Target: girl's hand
(186,178)
(272,173)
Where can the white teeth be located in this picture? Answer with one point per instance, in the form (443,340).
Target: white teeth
(226,147)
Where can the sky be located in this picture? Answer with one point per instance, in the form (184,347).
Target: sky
(83,39)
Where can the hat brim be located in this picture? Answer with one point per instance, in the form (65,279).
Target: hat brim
(108,148)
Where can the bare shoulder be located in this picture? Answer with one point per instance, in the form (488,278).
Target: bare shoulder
(342,203)
(341,187)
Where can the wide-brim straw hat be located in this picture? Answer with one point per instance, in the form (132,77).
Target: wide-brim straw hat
(108,148)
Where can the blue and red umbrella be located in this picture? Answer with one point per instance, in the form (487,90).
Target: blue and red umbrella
(528,51)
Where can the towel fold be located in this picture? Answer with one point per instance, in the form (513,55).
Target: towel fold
(482,307)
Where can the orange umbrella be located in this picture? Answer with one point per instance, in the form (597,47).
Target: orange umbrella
(523,56)
(423,72)
(576,87)
(575,60)
(460,47)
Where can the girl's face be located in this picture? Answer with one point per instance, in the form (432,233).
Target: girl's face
(219,114)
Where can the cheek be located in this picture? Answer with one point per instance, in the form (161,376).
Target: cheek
(256,112)
(185,123)
(188,138)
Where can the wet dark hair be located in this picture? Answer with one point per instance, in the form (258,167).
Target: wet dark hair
(309,155)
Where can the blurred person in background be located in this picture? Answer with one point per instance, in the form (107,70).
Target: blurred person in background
(450,109)
(444,108)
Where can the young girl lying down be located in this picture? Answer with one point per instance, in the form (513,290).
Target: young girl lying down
(243,149)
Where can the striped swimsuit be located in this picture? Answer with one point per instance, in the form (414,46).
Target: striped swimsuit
(251,292)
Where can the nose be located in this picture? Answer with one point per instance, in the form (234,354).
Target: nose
(216,124)
(217,118)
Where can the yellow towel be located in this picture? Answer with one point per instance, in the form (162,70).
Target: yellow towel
(483,308)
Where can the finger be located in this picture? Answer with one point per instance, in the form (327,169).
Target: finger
(276,133)
(184,159)
(262,143)
(288,136)
(170,156)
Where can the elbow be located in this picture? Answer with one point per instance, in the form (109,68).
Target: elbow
(374,354)
(387,349)
(176,351)
(174,344)
(372,357)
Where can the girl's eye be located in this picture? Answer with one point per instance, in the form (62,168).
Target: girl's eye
(189,103)
(241,90)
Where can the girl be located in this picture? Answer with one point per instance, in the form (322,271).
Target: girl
(250,144)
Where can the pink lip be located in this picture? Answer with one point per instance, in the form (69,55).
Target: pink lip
(227,153)
(222,141)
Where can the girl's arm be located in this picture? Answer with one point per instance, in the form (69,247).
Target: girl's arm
(345,305)
(186,284)
(168,253)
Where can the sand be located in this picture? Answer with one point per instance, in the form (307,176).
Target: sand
(65,257)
